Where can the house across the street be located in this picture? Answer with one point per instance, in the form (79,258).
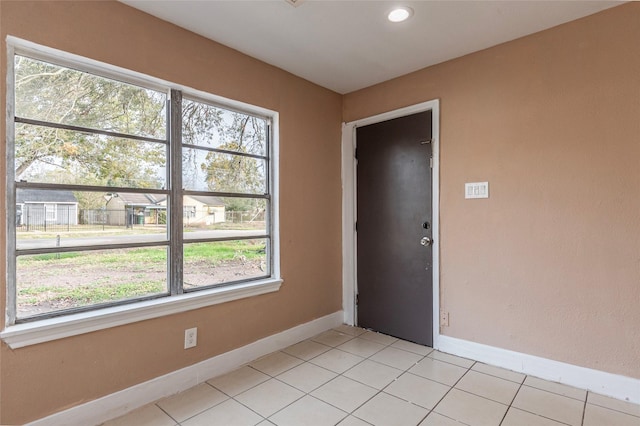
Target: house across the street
(203,209)
(128,208)
(40,207)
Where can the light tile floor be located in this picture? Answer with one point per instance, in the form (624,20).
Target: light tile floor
(351,377)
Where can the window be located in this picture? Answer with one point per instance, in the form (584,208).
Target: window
(50,212)
(189,212)
(137,157)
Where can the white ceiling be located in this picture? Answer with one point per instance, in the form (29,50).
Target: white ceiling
(348,45)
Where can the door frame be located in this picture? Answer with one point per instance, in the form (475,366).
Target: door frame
(349,208)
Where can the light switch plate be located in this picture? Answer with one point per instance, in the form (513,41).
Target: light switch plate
(476,190)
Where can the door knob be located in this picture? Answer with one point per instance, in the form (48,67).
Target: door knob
(426,241)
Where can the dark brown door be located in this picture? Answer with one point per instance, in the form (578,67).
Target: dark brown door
(394,235)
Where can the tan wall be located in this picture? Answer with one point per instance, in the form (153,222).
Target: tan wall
(39,380)
(550,264)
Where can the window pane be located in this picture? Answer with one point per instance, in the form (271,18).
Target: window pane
(50,155)
(214,127)
(223,262)
(57,94)
(223,217)
(62,218)
(54,282)
(213,171)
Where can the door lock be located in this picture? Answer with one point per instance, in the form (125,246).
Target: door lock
(426,241)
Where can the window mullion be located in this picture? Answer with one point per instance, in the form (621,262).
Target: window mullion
(87,130)
(175,213)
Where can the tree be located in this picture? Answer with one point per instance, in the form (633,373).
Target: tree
(86,199)
(201,126)
(55,94)
(235,173)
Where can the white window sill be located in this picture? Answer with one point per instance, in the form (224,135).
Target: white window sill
(27,334)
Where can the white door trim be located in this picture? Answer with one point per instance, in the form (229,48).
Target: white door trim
(349,208)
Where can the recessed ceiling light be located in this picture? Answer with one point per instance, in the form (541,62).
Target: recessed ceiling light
(400,14)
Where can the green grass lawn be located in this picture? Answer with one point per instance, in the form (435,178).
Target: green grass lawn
(215,251)
(90,294)
(91,277)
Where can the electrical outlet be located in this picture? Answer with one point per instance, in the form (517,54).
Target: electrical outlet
(444,319)
(190,337)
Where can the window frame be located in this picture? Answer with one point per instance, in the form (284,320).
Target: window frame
(267,196)
(177,298)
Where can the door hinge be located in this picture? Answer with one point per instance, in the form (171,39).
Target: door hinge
(357,299)
(431,162)
(356,226)
(355,154)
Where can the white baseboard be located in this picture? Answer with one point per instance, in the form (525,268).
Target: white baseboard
(613,385)
(119,403)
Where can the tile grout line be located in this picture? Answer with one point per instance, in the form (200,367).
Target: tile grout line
(308,393)
(260,415)
(198,413)
(584,408)
(342,374)
(549,392)
(556,392)
(311,396)
(450,387)
(495,376)
(544,417)
(530,412)
(406,371)
(513,399)
(379,391)
(170,416)
(229,397)
(615,409)
(274,378)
